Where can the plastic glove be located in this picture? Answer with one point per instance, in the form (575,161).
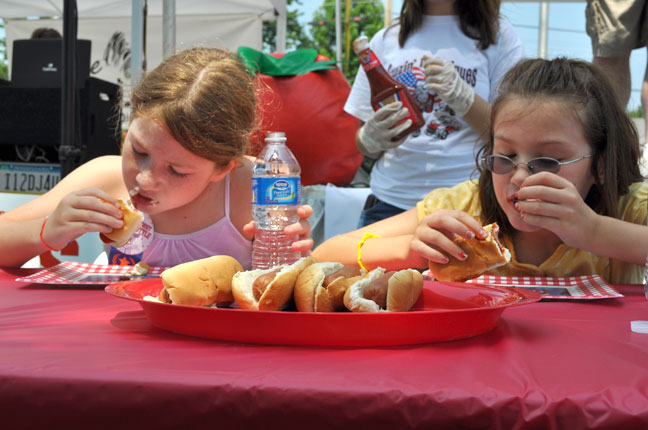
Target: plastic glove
(376,134)
(443,79)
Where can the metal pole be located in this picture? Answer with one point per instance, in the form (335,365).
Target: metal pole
(388,12)
(69,151)
(281,14)
(543,32)
(338,35)
(347,34)
(137,42)
(281,28)
(169,29)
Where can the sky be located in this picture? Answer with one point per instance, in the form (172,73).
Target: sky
(566,35)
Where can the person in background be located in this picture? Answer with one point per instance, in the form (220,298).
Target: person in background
(45,33)
(616,28)
(451,54)
(559,174)
(182,164)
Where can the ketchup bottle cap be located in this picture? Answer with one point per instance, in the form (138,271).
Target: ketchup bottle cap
(360,44)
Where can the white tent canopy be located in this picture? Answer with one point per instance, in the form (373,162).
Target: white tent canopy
(225,24)
(121,8)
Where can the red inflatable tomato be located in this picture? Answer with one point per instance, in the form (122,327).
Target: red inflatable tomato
(308,107)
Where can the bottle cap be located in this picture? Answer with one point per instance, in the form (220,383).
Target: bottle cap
(360,44)
(275,136)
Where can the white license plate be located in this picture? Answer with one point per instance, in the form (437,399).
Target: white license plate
(28,178)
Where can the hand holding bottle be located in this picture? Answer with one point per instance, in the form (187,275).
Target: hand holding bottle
(442,78)
(300,230)
(377,133)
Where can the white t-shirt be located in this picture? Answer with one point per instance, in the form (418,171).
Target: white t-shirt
(442,153)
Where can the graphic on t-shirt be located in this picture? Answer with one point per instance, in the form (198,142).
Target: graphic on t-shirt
(412,77)
(442,121)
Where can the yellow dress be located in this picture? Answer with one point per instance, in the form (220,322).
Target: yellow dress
(565,261)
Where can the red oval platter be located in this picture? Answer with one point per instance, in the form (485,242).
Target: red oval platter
(445,311)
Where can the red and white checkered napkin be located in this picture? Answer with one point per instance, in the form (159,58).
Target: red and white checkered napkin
(74,272)
(570,287)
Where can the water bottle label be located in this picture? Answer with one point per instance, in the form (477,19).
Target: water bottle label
(276,191)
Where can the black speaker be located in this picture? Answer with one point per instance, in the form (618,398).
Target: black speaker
(32,116)
(102,118)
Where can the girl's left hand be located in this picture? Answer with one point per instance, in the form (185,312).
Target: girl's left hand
(551,202)
(304,243)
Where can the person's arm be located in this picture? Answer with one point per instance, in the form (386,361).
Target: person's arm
(72,207)
(478,116)
(391,250)
(620,240)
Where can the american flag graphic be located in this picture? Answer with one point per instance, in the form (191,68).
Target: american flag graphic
(412,77)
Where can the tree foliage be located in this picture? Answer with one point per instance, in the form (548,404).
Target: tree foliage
(366,17)
(4,69)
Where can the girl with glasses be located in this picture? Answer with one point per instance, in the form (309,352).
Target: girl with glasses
(559,173)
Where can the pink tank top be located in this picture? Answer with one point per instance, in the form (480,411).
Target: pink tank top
(220,238)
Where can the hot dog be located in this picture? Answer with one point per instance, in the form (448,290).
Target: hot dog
(377,290)
(321,287)
(261,283)
(132,221)
(380,291)
(483,255)
(200,282)
(271,293)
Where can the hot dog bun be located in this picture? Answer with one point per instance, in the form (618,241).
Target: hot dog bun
(132,221)
(311,295)
(200,282)
(403,290)
(483,255)
(276,294)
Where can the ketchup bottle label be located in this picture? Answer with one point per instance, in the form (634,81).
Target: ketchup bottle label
(368,60)
(398,96)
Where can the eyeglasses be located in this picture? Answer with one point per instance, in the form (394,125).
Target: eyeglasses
(501,164)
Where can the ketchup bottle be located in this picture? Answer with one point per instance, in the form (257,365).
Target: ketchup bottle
(384,88)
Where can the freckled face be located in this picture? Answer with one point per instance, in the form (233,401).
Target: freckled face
(165,174)
(547,130)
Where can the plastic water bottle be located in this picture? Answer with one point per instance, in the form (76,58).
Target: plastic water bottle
(276,195)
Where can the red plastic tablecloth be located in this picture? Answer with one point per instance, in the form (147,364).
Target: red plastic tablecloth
(82,358)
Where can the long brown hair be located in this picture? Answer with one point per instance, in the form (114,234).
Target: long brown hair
(205,97)
(611,134)
(478,19)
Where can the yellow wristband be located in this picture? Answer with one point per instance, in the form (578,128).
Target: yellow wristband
(362,241)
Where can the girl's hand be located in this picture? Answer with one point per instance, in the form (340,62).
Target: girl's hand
(304,243)
(302,228)
(81,212)
(434,237)
(551,202)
